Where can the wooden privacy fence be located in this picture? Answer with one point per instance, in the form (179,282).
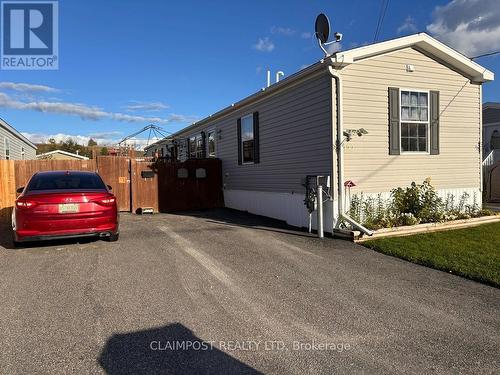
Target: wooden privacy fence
(136,183)
(16,173)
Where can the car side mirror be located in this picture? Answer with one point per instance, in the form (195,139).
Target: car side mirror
(20,190)
(109,187)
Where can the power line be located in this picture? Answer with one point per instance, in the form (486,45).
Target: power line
(484,55)
(381,16)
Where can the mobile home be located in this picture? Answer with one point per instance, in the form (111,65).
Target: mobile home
(415,101)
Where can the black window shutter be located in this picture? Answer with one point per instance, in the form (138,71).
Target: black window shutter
(394,136)
(239,141)
(203,145)
(434,122)
(256,145)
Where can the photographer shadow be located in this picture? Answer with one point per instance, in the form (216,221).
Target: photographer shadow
(161,351)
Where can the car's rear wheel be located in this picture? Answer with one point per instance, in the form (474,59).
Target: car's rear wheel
(113,237)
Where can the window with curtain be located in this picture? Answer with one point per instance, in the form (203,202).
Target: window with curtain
(211,144)
(414,121)
(199,147)
(247,139)
(192,147)
(196,147)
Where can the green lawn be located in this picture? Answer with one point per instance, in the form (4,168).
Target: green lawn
(472,252)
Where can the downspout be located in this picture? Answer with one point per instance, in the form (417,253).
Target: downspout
(481,141)
(340,156)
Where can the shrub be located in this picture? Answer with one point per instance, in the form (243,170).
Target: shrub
(421,201)
(417,203)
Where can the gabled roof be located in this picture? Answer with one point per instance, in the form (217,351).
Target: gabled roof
(76,156)
(491,105)
(424,42)
(421,41)
(15,133)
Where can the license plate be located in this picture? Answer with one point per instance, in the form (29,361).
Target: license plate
(66,208)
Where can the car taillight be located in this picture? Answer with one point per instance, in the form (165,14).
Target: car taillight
(23,203)
(108,201)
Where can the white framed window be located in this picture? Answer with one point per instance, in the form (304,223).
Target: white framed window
(196,147)
(414,121)
(7,148)
(211,143)
(247,139)
(192,147)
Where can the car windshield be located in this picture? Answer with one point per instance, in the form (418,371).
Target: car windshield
(66,182)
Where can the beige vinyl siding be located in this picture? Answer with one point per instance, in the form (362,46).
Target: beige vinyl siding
(295,138)
(16,145)
(367,159)
(58,156)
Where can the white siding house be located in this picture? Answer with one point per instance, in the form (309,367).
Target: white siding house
(13,145)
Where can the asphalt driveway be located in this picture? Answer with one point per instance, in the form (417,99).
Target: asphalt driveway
(224,292)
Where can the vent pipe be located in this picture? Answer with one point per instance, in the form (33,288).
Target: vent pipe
(278,75)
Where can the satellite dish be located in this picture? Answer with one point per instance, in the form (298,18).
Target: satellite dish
(322,32)
(322,28)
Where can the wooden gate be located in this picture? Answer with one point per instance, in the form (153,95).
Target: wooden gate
(144,185)
(115,171)
(191,185)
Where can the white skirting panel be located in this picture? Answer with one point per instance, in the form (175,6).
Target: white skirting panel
(290,207)
(283,206)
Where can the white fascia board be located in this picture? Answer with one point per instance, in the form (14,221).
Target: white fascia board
(426,43)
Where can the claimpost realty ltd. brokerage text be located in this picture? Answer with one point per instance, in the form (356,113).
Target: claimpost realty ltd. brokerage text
(248,345)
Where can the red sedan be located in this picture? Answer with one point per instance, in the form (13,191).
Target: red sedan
(65,204)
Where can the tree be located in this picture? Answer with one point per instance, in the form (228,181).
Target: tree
(104,151)
(52,146)
(91,143)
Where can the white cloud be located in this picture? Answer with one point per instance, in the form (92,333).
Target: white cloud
(264,45)
(306,35)
(105,135)
(104,140)
(408,26)
(144,106)
(26,87)
(286,31)
(86,112)
(470,26)
(61,137)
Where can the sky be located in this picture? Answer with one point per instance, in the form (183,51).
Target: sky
(126,64)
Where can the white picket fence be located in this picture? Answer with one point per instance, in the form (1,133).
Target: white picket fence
(490,160)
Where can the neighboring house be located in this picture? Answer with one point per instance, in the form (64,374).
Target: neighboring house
(418,100)
(491,127)
(61,155)
(14,145)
